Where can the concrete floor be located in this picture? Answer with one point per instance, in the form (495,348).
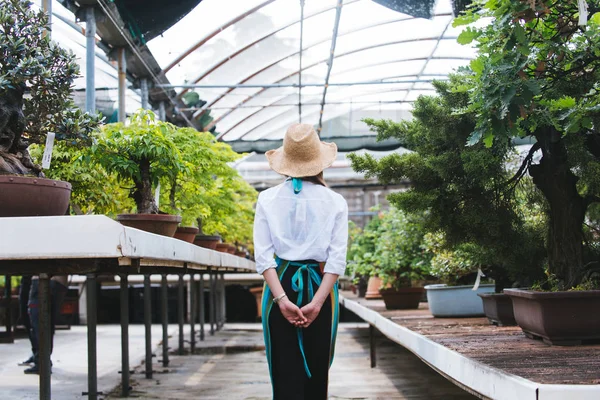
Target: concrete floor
(229,365)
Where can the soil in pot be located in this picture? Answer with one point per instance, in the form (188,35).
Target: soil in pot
(558,318)
(402,299)
(498,309)
(186,233)
(373,288)
(22,196)
(160,224)
(207,241)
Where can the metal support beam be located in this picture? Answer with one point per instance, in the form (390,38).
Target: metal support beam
(164,294)
(202,307)
(45,336)
(122,71)
(192,314)
(148,325)
(90,60)
(144,93)
(217,302)
(47,8)
(124,336)
(286,85)
(211,302)
(91,297)
(300,61)
(162,111)
(372,346)
(338,14)
(180,318)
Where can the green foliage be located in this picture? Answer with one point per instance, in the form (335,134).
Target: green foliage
(463,191)
(400,254)
(141,153)
(537,75)
(31,61)
(390,247)
(74,165)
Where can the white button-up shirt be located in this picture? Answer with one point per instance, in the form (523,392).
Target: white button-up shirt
(310,225)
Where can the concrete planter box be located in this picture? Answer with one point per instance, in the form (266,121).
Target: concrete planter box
(456,301)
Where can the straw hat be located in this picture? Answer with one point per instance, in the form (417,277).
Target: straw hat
(302,154)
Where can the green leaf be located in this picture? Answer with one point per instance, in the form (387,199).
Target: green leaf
(477,65)
(467,36)
(595,19)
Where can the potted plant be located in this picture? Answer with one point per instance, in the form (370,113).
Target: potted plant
(401,259)
(142,154)
(464,192)
(361,258)
(546,91)
(36,77)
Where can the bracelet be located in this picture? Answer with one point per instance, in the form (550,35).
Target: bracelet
(278,298)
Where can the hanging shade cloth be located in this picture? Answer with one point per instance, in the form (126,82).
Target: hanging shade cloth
(147,19)
(421,8)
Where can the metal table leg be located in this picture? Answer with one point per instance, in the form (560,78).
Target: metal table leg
(223,301)
(372,346)
(148,325)
(45,336)
(211,301)
(92,319)
(164,288)
(202,317)
(8,336)
(124,336)
(180,313)
(192,314)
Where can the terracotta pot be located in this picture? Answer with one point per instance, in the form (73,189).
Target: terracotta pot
(222,247)
(240,254)
(207,241)
(402,299)
(23,196)
(498,308)
(160,224)
(186,233)
(232,248)
(373,288)
(558,318)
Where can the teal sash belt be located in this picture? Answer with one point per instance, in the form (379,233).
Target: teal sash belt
(310,270)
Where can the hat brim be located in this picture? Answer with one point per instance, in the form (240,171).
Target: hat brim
(295,169)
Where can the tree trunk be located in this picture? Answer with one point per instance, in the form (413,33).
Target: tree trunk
(14,157)
(567,208)
(143,196)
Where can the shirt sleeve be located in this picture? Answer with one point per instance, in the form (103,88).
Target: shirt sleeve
(336,254)
(264,251)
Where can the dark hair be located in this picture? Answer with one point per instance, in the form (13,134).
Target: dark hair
(317,179)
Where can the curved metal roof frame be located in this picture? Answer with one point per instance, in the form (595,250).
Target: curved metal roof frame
(348,70)
(227,55)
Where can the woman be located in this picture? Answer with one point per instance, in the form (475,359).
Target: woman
(300,239)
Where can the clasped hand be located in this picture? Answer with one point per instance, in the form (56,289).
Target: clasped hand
(299,317)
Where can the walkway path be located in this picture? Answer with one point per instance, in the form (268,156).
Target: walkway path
(229,365)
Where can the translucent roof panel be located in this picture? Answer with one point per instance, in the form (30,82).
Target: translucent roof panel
(247,61)
(70,34)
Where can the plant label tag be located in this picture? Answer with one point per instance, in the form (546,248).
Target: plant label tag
(47,157)
(157,195)
(480,275)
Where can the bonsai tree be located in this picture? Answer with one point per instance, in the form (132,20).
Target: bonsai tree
(536,76)
(464,192)
(36,77)
(400,254)
(209,192)
(141,154)
(74,164)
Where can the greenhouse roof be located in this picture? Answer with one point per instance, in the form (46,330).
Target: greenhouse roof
(255,73)
(247,69)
